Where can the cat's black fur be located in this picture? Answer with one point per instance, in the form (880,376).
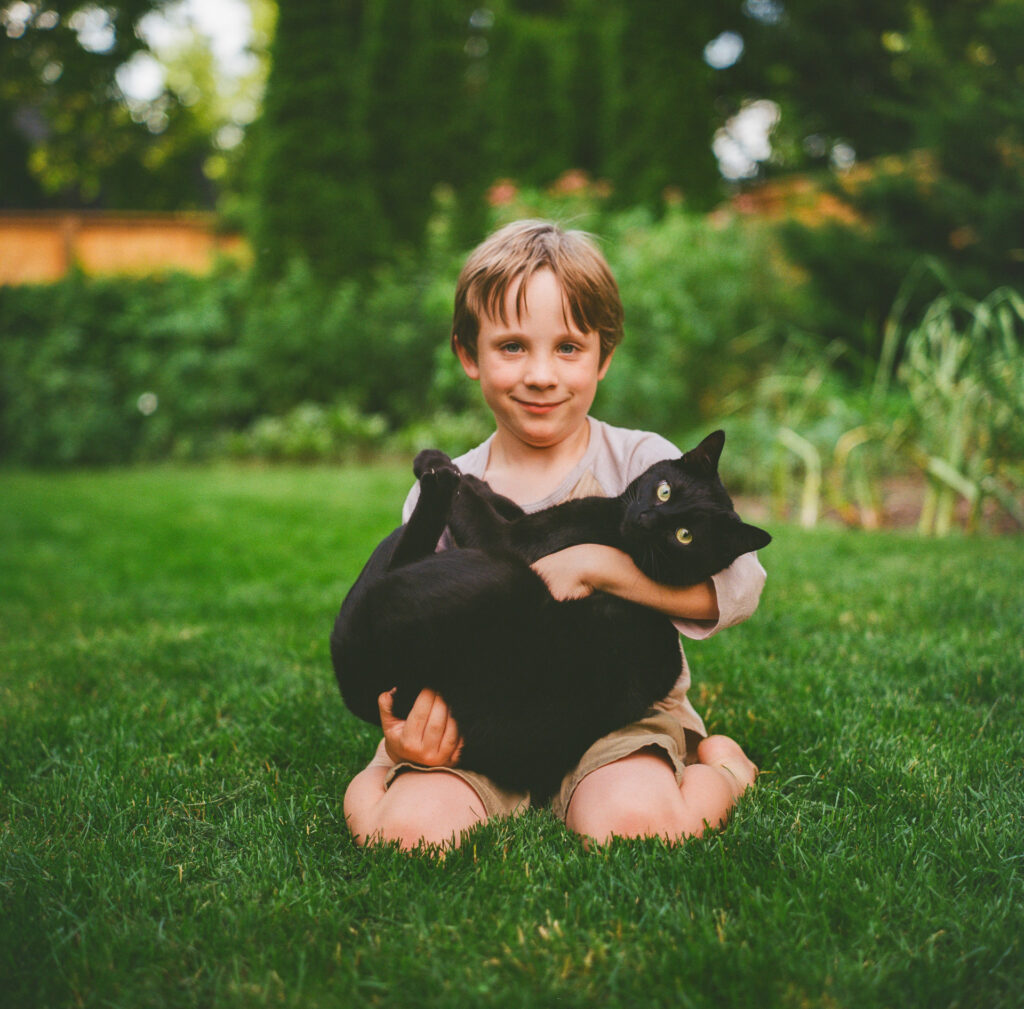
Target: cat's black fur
(530,681)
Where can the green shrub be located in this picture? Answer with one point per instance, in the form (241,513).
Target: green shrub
(311,432)
(102,371)
(706,305)
(113,371)
(709,300)
(963,368)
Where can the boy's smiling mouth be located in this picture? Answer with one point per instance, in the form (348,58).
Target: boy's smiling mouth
(538,408)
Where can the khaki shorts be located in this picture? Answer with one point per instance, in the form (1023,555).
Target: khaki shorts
(657,728)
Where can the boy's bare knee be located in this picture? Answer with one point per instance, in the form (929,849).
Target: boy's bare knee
(634,797)
(424,809)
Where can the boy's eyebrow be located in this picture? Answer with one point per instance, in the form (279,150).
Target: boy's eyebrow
(569,334)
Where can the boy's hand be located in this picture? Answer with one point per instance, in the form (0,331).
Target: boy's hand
(569,573)
(429,736)
(575,572)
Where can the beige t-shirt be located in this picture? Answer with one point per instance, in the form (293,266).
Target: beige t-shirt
(615,457)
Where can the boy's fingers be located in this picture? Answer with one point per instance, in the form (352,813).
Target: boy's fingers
(451,743)
(420,712)
(437,722)
(385,707)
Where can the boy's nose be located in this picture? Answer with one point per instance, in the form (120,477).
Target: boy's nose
(539,372)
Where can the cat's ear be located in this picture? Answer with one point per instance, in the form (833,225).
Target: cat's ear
(747,538)
(704,458)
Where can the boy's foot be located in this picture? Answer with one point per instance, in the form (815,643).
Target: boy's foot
(726,755)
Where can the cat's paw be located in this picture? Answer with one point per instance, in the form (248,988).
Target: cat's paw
(431,460)
(439,477)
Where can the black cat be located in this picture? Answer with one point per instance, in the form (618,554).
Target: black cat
(530,681)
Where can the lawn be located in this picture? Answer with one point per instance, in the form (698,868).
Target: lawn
(173,755)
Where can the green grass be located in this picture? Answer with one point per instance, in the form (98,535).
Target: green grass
(173,755)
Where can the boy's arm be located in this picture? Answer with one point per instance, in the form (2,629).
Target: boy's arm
(727,598)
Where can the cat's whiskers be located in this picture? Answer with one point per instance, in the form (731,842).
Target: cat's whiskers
(653,562)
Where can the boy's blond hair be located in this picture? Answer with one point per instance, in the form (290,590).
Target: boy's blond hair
(515,253)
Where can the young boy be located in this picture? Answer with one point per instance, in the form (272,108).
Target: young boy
(537,319)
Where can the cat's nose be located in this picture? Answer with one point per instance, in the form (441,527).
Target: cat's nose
(645,520)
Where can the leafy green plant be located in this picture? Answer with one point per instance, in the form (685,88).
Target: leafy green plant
(963,367)
(707,304)
(311,433)
(105,371)
(113,371)
(811,439)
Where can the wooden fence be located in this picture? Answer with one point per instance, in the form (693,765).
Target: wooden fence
(41,246)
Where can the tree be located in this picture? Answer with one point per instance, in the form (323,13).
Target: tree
(367,109)
(664,114)
(314,197)
(417,110)
(930,96)
(68,136)
(529,117)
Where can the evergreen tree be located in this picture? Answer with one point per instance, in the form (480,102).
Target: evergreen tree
(416,116)
(311,178)
(592,77)
(930,96)
(664,115)
(528,107)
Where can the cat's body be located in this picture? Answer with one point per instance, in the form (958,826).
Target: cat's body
(530,681)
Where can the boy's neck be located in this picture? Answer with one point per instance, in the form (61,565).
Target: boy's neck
(526,473)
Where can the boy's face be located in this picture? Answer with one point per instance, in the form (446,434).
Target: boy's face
(539,373)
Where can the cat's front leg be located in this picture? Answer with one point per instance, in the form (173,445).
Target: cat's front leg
(439,481)
(480,518)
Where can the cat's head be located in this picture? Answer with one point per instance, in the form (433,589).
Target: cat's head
(680,526)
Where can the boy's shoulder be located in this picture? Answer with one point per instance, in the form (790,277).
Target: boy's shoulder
(628,451)
(474,462)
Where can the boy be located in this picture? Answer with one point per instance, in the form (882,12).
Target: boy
(536,322)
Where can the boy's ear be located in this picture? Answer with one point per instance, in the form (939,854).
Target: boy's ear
(604,366)
(468,362)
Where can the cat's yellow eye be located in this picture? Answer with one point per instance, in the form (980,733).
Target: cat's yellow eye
(684,536)
(664,492)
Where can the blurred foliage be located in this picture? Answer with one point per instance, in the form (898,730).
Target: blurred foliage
(929,97)
(963,368)
(310,432)
(815,439)
(99,371)
(373,104)
(369,107)
(67,135)
(706,304)
(810,439)
(843,345)
(106,371)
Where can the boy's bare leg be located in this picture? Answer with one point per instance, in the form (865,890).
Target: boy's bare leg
(419,808)
(638,795)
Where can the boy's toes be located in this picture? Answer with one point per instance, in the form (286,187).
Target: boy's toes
(727,755)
